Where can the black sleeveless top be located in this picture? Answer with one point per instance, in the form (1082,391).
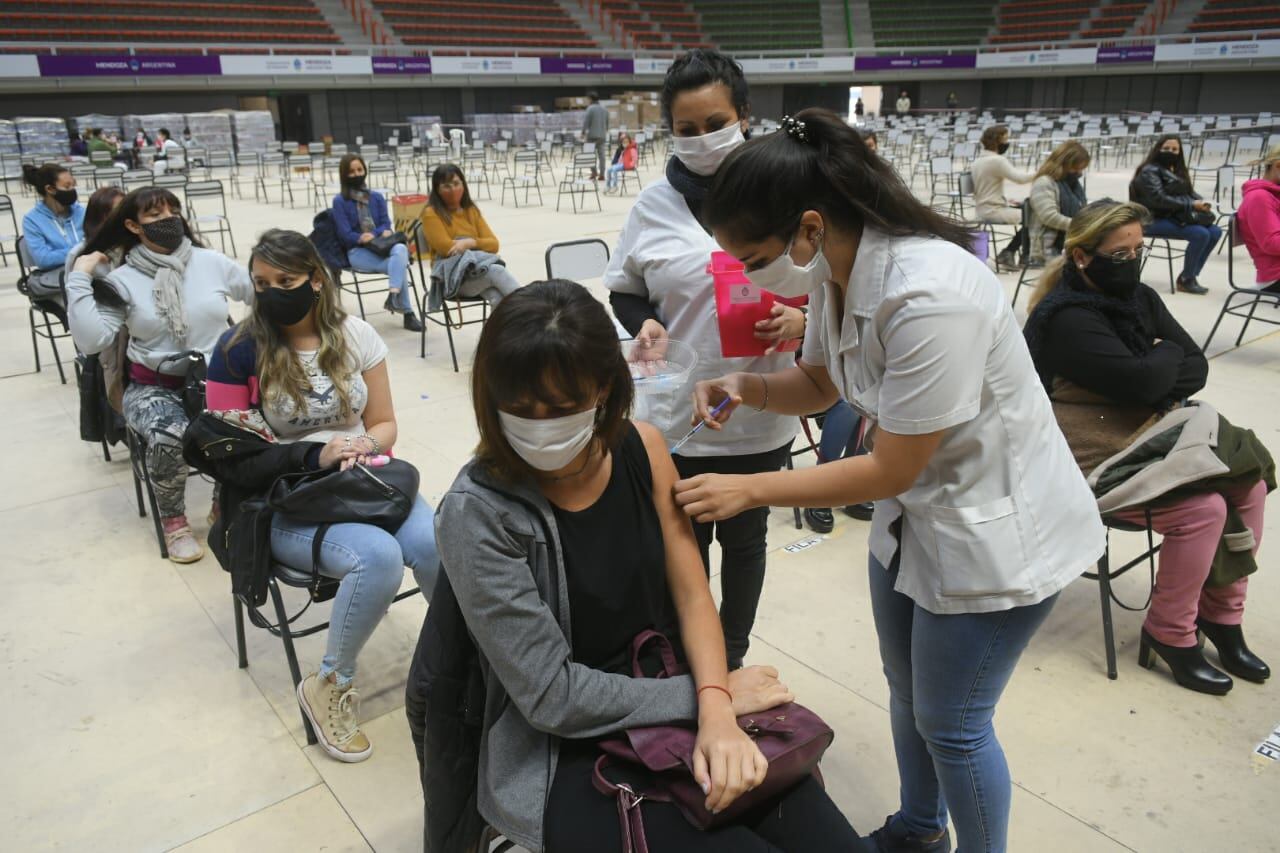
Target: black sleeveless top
(615,559)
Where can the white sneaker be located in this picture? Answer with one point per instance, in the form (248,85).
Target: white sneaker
(332,711)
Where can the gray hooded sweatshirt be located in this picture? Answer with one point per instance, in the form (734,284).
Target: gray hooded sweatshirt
(501,551)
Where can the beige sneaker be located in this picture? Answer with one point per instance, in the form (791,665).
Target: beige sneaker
(182,546)
(332,711)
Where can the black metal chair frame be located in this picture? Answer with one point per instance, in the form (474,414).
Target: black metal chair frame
(1105,575)
(1170,255)
(1250,297)
(360,281)
(443,316)
(289,576)
(46,307)
(142,476)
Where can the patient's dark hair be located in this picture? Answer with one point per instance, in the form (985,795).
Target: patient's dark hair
(547,342)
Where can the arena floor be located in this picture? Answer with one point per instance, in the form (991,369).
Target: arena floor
(132,729)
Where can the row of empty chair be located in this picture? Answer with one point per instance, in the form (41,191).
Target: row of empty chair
(467,23)
(1225,15)
(288,21)
(930,22)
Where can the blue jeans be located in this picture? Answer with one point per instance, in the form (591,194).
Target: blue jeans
(839,432)
(395,265)
(1201,240)
(945,675)
(370,563)
(611,176)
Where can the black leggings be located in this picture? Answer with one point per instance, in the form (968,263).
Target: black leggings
(579,819)
(742,545)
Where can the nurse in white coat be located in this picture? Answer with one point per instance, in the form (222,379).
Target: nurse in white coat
(981,515)
(659,287)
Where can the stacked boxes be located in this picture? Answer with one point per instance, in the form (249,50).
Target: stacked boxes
(172,122)
(255,131)
(9,146)
(211,131)
(83,124)
(44,138)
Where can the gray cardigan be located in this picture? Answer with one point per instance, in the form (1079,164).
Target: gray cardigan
(500,549)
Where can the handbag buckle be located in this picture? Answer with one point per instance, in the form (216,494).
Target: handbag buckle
(628,796)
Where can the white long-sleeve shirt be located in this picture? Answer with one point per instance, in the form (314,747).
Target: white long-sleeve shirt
(211,279)
(990,170)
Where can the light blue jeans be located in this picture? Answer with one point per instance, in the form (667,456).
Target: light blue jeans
(370,563)
(611,176)
(394,265)
(945,675)
(839,432)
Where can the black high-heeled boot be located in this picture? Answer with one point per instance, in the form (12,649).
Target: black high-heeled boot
(1232,651)
(1188,666)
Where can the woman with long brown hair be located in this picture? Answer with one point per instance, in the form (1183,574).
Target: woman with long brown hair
(1057,194)
(170,294)
(1162,184)
(317,376)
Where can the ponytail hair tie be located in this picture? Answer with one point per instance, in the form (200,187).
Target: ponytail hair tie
(795,128)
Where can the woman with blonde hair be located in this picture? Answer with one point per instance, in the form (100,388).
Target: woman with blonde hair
(313,381)
(1056,196)
(1113,358)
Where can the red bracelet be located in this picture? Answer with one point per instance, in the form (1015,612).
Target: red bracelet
(723,690)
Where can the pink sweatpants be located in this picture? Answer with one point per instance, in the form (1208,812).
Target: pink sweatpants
(1192,530)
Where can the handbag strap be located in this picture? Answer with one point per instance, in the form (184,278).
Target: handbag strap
(670,668)
(630,820)
(314,587)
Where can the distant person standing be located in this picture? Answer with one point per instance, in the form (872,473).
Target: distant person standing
(904,103)
(952,101)
(595,128)
(859,110)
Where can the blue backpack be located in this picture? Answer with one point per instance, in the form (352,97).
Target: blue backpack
(324,236)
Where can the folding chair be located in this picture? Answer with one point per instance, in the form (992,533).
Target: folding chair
(281,574)
(382,177)
(461,305)
(6,206)
(577,182)
(270,169)
(1162,249)
(170,181)
(524,177)
(1240,297)
(108,176)
(135,178)
(45,306)
(475,167)
(201,212)
(84,174)
(1105,574)
(576,260)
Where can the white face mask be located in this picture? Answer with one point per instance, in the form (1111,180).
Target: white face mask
(783,277)
(549,444)
(703,154)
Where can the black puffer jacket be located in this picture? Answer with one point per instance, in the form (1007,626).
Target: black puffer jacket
(1165,194)
(245,465)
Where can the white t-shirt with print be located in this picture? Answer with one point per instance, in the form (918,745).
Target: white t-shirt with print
(323,418)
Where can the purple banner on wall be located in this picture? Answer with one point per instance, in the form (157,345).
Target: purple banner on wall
(587,65)
(401,65)
(128,66)
(920,60)
(1107,55)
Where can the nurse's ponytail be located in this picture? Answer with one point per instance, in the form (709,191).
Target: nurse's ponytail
(817,162)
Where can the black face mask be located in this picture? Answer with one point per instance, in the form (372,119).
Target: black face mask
(66,198)
(1119,280)
(287,307)
(167,233)
(1002,147)
(1167,159)
(356,182)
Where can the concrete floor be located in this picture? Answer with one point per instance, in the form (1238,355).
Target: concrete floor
(131,728)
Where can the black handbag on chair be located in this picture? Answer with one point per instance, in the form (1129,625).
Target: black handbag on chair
(383,245)
(357,495)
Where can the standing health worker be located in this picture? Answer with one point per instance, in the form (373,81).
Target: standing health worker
(981,514)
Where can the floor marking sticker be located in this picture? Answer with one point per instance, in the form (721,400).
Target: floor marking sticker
(1268,750)
(803,544)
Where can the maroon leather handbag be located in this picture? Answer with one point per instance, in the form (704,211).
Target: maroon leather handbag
(790,736)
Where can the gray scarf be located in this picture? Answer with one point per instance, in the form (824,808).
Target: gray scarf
(168,271)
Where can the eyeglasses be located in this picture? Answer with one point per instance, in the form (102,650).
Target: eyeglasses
(1137,254)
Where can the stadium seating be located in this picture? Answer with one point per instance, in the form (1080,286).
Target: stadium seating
(280,21)
(655,24)
(761,24)
(930,22)
(477,23)
(1226,15)
(1040,20)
